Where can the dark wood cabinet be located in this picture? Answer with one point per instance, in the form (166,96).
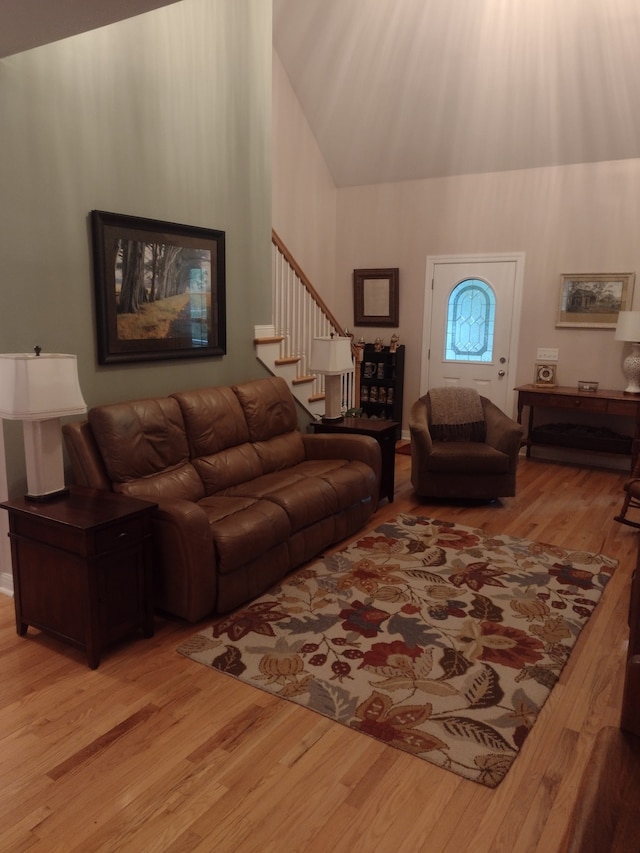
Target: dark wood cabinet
(382,384)
(384,433)
(82,567)
(630,720)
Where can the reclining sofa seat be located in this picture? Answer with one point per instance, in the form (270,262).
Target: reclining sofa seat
(243,496)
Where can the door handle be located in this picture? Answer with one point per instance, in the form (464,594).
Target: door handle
(502,373)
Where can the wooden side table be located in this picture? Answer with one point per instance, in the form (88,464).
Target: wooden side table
(384,433)
(82,567)
(607,403)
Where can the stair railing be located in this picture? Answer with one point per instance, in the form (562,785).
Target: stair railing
(299,315)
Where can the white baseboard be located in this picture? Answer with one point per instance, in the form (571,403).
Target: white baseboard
(6,584)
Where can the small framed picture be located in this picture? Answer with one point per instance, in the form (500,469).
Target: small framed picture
(545,375)
(376,300)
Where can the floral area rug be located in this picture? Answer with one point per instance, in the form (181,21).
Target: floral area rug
(432,637)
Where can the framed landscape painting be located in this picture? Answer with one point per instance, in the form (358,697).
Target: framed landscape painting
(159,289)
(593,301)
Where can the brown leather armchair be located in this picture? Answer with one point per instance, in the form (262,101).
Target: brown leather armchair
(479,466)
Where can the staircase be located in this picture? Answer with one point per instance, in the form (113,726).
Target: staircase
(298,316)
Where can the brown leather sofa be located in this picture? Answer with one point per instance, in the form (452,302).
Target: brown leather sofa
(243,495)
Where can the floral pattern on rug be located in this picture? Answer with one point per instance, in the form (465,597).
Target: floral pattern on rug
(429,636)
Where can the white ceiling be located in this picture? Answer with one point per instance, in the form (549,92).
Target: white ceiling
(402,89)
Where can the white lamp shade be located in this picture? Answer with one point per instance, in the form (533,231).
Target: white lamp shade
(331,355)
(628,326)
(38,387)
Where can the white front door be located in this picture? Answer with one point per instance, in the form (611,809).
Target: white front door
(471,324)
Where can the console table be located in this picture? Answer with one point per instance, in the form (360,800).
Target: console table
(614,404)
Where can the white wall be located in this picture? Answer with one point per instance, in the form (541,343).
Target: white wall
(304,195)
(573,219)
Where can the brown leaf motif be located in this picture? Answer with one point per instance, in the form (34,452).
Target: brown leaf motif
(434,556)
(256,618)
(484,608)
(457,538)
(572,576)
(230,661)
(366,576)
(378,717)
(498,644)
(554,630)
(475,730)
(483,690)
(492,768)
(477,575)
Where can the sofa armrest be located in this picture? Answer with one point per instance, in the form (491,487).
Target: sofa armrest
(87,467)
(503,432)
(362,448)
(186,585)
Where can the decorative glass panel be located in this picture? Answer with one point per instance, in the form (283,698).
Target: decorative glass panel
(471,317)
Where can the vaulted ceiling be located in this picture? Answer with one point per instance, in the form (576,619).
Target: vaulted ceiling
(402,89)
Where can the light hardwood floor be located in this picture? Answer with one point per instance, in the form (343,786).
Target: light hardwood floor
(153,752)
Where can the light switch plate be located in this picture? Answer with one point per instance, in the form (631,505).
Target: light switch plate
(547,354)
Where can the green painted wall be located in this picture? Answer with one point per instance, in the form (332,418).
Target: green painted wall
(166,116)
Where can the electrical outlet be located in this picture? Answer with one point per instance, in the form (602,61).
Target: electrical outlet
(547,354)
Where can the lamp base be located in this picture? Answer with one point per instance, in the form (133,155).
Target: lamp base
(327,420)
(50,496)
(631,370)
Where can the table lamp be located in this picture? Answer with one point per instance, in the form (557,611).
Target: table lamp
(40,388)
(628,329)
(331,356)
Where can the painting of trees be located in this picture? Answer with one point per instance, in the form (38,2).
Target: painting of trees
(160,288)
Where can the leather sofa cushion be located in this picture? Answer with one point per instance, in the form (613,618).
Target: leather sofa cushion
(467,458)
(244,528)
(213,419)
(228,468)
(268,406)
(311,491)
(143,438)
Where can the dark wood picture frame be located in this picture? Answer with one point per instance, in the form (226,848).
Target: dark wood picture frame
(376,297)
(159,289)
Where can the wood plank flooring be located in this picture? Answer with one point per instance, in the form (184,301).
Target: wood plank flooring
(152,752)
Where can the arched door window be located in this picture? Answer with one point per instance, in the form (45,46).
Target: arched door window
(471,314)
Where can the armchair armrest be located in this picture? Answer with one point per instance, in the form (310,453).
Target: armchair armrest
(421,442)
(503,432)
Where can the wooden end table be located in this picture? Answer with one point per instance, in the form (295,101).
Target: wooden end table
(82,567)
(383,431)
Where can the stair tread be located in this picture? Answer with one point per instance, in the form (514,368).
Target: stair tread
(274,339)
(300,380)
(289,359)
